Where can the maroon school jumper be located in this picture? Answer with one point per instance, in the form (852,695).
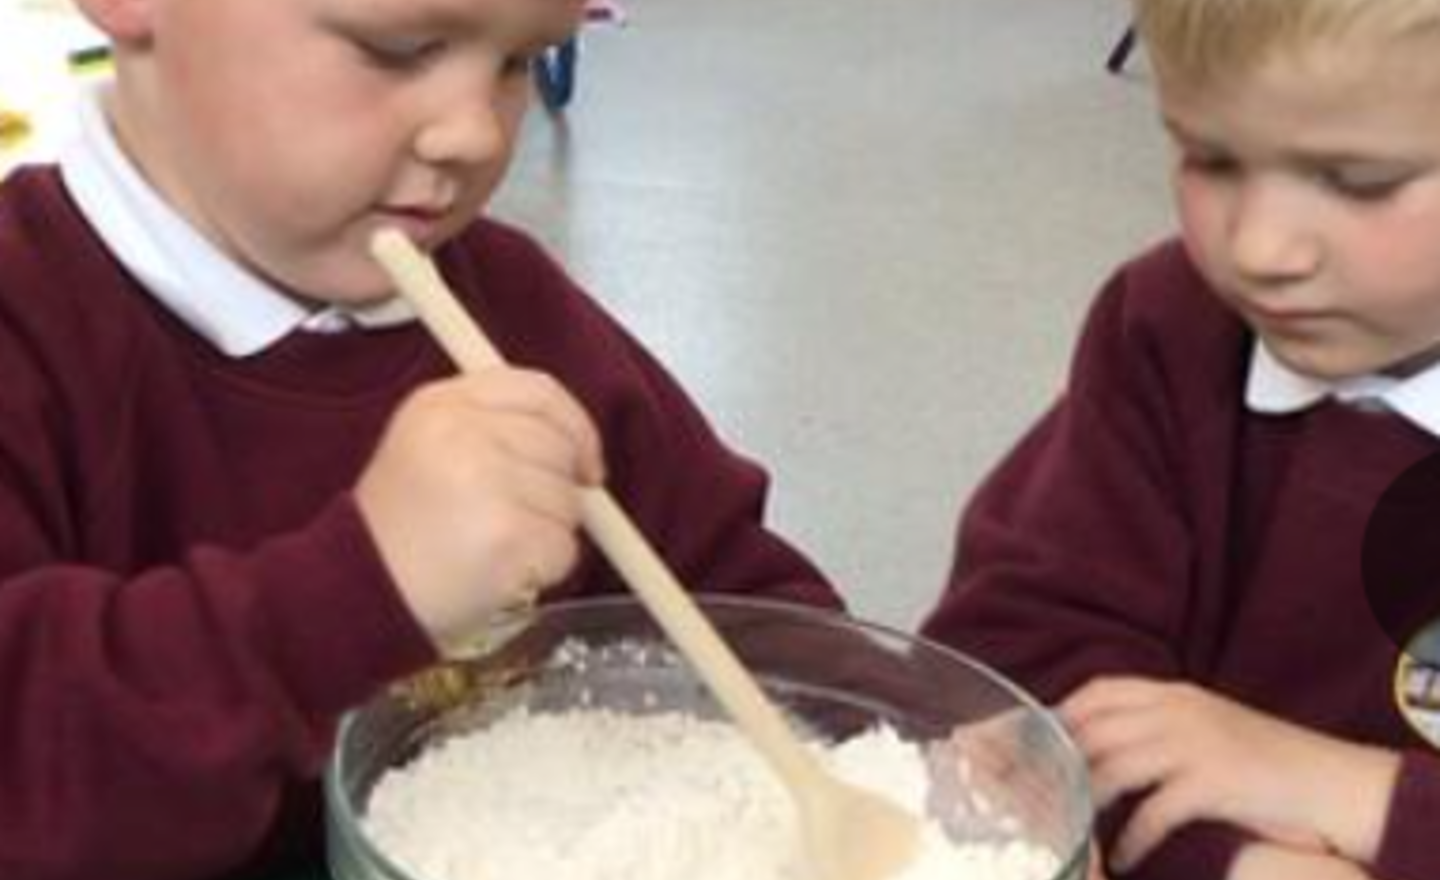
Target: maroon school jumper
(1151,525)
(188,599)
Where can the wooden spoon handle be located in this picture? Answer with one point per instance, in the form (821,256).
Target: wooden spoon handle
(676,612)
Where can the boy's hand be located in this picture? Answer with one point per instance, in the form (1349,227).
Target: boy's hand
(473,496)
(1193,755)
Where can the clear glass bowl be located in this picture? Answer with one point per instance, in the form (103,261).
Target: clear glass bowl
(997,760)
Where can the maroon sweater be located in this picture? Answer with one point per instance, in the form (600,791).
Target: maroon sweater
(1151,525)
(188,598)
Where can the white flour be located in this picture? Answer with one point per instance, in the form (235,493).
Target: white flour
(596,795)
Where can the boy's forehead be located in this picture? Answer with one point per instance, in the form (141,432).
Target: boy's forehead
(1365,70)
(526,17)
(1351,108)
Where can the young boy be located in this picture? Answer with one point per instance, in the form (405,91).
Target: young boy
(1174,552)
(240,489)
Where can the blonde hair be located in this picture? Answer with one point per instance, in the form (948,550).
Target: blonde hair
(1198,41)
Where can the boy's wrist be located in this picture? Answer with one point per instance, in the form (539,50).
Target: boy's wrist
(1268,861)
(1360,780)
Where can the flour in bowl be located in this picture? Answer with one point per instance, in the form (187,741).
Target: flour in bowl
(594,794)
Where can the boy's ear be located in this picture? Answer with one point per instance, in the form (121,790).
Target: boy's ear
(123,21)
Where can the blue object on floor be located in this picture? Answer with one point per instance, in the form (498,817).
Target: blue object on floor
(555,74)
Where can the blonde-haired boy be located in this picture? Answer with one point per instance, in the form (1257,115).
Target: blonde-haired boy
(1174,554)
(240,489)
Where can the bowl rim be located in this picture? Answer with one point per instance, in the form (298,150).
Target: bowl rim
(348,820)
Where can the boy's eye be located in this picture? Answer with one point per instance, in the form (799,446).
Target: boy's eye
(1209,164)
(399,53)
(1363,184)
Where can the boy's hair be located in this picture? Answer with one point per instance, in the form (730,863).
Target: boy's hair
(1199,41)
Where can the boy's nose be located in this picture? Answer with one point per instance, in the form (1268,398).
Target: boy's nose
(464,132)
(1270,237)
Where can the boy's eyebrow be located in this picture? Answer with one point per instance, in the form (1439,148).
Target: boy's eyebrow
(1309,158)
(1179,132)
(459,18)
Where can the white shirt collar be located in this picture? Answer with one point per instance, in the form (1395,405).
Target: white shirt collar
(1273,387)
(238,312)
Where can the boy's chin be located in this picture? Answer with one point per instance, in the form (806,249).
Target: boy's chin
(360,299)
(357,290)
(1333,365)
(1312,359)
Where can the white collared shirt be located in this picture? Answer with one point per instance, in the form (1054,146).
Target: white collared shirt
(1273,387)
(238,312)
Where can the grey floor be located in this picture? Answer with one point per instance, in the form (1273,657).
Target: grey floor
(862,232)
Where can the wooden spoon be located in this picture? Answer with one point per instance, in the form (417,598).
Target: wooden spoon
(850,833)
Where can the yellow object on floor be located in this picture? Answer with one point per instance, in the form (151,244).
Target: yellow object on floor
(14,127)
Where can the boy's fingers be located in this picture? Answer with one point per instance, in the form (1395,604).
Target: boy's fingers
(1101,735)
(1127,773)
(1105,695)
(543,446)
(540,396)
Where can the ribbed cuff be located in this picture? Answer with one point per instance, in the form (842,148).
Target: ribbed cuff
(1199,851)
(1407,847)
(1203,850)
(337,627)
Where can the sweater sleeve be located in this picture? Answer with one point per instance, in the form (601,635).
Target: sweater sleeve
(1200,851)
(148,724)
(1074,557)
(1407,847)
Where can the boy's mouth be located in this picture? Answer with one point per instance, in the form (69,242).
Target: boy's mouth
(1292,324)
(1286,315)
(421,223)
(416,212)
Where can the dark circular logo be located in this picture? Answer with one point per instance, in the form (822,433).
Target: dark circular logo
(1400,560)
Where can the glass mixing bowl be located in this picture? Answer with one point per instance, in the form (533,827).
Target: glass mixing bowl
(999,765)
